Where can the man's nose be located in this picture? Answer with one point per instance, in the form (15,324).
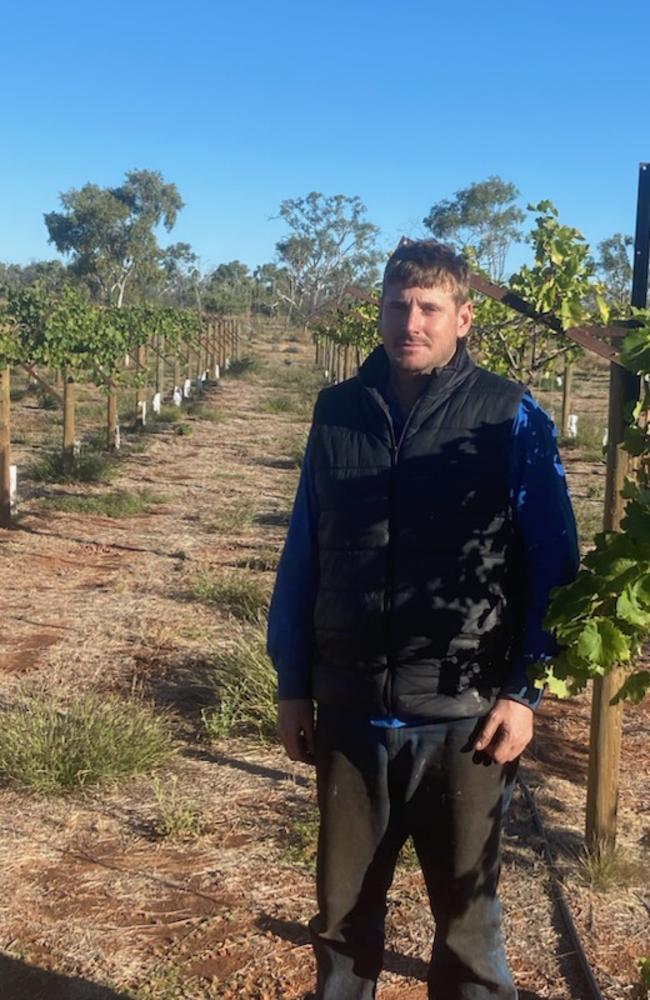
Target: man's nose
(413,317)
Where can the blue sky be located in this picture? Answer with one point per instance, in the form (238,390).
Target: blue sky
(243,107)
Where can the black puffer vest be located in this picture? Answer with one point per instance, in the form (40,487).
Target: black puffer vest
(419,570)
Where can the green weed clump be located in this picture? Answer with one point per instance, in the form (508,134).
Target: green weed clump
(642,987)
(178,818)
(301,844)
(117,504)
(240,596)
(87,467)
(45,399)
(296,453)
(242,367)
(278,404)
(605,867)
(54,750)
(246,685)
(264,561)
(168,415)
(236,517)
(201,411)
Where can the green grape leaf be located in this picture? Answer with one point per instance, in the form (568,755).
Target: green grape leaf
(634,688)
(628,608)
(556,685)
(602,645)
(573,601)
(635,350)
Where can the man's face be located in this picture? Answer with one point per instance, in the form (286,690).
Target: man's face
(421,326)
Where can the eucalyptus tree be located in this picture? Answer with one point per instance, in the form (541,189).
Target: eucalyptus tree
(483,216)
(229,288)
(330,245)
(109,233)
(615,270)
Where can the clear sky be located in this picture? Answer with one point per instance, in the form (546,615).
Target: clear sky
(243,106)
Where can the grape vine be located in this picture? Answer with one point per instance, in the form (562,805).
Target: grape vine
(602,619)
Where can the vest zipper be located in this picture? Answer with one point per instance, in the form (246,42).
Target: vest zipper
(395,451)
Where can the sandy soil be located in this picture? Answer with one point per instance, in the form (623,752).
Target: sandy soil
(94,904)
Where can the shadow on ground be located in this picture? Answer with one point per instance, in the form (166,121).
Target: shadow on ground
(21,981)
(288,930)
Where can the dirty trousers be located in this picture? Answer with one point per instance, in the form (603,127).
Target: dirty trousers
(376,787)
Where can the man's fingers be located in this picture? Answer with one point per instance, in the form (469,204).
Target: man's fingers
(487,733)
(296,728)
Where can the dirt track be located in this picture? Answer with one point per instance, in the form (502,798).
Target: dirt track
(93,904)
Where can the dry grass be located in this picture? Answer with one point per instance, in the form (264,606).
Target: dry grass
(119,503)
(178,817)
(241,596)
(88,466)
(246,688)
(92,604)
(51,750)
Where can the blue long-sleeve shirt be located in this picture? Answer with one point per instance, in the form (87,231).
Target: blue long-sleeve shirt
(543,519)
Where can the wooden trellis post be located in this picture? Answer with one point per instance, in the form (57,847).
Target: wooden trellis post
(567,391)
(5,449)
(606,719)
(69,433)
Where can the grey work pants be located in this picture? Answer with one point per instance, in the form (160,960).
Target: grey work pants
(376,787)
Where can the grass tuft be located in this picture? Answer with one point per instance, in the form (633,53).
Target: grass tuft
(87,467)
(246,688)
(242,367)
(45,399)
(117,504)
(201,411)
(240,596)
(177,818)
(604,868)
(237,517)
(265,561)
(53,750)
(296,453)
(278,404)
(168,415)
(301,843)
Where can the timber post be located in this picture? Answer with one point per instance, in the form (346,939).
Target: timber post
(5,449)
(607,719)
(68,423)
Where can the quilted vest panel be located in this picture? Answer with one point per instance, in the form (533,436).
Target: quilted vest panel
(418,564)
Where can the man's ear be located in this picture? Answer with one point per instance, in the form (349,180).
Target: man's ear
(465,317)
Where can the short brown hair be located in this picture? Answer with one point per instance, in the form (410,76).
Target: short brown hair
(427,264)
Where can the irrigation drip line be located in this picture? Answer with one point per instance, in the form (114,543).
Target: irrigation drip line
(560,898)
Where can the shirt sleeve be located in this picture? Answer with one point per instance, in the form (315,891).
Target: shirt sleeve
(545,523)
(289,638)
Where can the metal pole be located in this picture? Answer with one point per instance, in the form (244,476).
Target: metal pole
(606,719)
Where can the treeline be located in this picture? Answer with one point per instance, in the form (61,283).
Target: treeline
(109,240)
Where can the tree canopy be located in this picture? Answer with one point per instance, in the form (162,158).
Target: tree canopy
(330,245)
(615,270)
(483,216)
(109,233)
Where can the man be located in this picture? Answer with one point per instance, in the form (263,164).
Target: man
(431,521)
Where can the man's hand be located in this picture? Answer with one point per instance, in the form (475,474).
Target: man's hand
(507,730)
(296,728)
